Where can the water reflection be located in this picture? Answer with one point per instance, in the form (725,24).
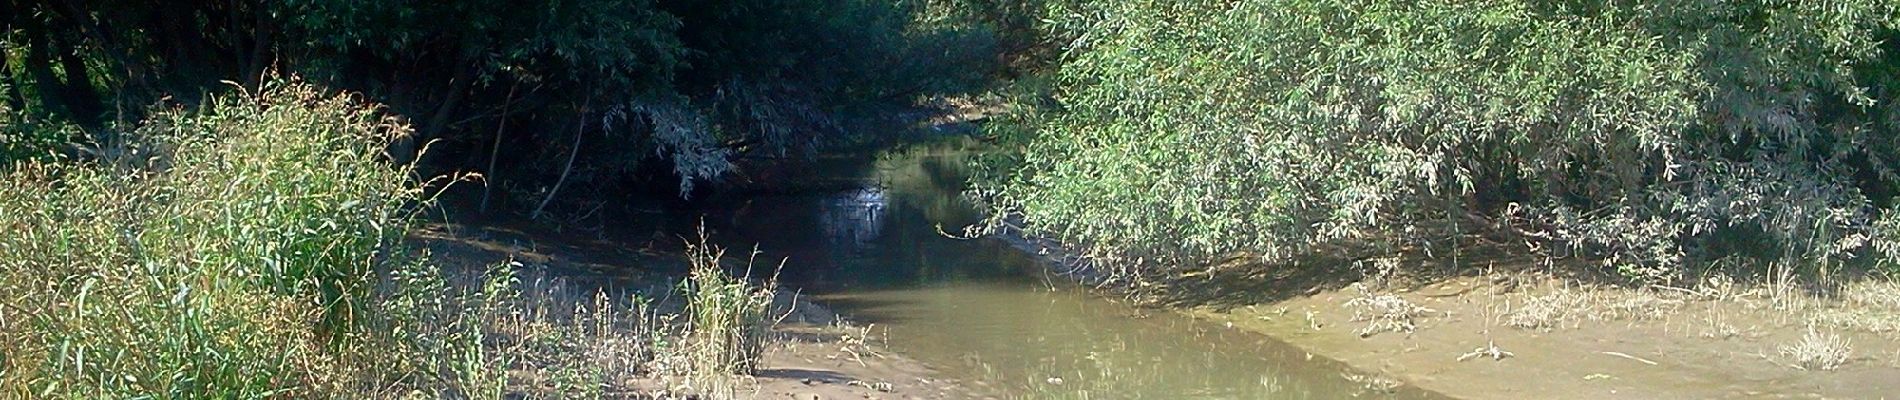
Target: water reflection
(1061,343)
(978,309)
(852,220)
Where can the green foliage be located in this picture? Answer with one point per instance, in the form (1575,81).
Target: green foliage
(1017,25)
(795,75)
(750,75)
(23,137)
(585,48)
(1642,133)
(729,322)
(250,248)
(206,262)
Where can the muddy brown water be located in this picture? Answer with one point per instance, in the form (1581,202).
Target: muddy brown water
(983,312)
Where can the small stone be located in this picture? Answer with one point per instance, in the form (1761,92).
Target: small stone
(806,396)
(806,381)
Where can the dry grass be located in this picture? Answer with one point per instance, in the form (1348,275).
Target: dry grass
(1881,294)
(562,342)
(1716,326)
(1641,304)
(729,322)
(1384,312)
(856,341)
(1551,310)
(1566,307)
(1816,350)
(1869,306)
(1372,384)
(1885,322)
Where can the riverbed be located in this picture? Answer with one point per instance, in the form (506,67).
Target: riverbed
(880,252)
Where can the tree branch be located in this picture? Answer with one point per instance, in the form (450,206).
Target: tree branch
(570,160)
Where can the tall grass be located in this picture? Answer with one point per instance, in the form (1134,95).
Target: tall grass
(729,322)
(508,334)
(219,256)
(252,248)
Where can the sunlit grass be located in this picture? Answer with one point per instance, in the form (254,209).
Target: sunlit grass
(253,248)
(729,322)
(224,252)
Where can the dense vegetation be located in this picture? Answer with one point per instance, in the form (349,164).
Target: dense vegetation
(180,221)
(207,272)
(646,89)
(254,248)
(1653,136)
(209,199)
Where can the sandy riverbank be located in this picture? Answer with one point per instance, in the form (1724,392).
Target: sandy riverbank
(1515,333)
(1523,336)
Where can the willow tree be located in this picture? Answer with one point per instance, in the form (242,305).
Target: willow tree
(1647,135)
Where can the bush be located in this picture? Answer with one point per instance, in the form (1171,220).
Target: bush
(207,262)
(24,138)
(1644,134)
(728,319)
(251,248)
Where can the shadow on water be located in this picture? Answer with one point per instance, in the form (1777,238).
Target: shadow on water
(982,311)
(794,373)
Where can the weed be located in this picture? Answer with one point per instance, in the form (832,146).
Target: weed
(251,248)
(1384,312)
(728,321)
(1550,310)
(856,341)
(222,252)
(1818,350)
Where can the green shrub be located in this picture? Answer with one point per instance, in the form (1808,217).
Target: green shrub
(223,256)
(252,248)
(23,137)
(728,322)
(1640,133)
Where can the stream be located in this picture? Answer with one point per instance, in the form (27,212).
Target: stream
(985,313)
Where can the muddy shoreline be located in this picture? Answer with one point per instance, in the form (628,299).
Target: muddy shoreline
(1493,336)
(816,353)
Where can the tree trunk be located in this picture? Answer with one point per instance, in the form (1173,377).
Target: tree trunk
(39,66)
(82,98)
(16,102)
(494,151)
(109,43)
(570,161)
(260,45)
(458,88)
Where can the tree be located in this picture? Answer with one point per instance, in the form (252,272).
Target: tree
(1648,135)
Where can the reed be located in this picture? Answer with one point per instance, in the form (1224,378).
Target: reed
(729,321)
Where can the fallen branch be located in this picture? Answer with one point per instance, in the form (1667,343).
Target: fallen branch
(1490,349)
(1638,359)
